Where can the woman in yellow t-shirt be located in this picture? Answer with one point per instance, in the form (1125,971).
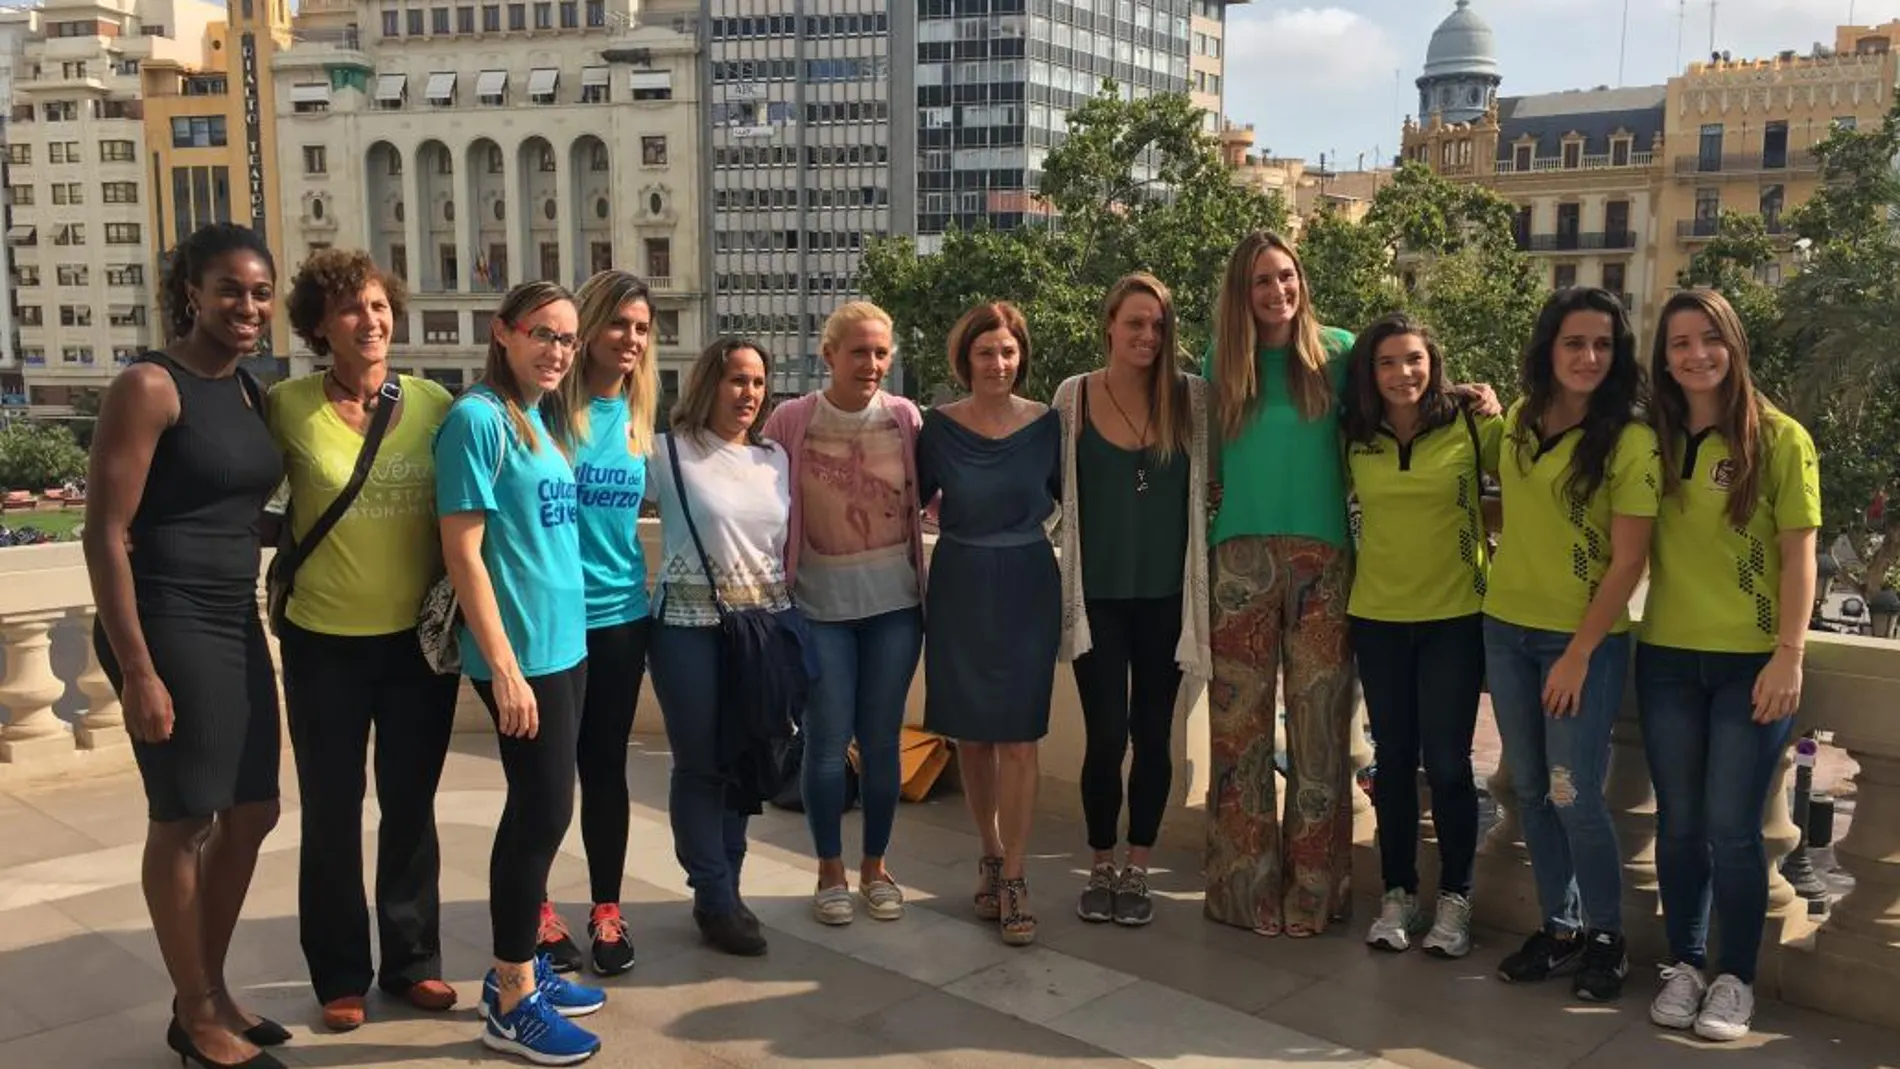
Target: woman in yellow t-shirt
(1718,668)
(350,654)
(1579,476)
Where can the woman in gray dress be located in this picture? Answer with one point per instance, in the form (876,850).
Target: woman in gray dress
(993,609)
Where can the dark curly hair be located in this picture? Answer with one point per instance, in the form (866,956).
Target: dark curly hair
(330,275)
(187,263)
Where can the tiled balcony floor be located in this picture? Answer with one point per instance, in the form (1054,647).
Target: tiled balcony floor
(81,984)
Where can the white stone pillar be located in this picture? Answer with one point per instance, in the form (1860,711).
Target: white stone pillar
(103,726)
(30,689)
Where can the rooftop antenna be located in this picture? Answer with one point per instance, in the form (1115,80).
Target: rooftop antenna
(1682,21)
(1623,47)
(1713,4)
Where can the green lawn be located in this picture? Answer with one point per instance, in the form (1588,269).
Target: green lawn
(60,523)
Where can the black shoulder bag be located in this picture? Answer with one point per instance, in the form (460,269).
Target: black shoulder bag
(1477,462)
(763,682)
(281,581)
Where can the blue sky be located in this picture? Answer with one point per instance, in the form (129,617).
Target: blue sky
(1315,76)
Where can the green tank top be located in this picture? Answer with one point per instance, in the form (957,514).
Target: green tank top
(1134,516)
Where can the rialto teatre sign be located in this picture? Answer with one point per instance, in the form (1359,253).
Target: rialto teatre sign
(253,148)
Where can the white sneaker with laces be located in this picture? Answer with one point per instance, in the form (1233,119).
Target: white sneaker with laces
(1728,1010)
(1398,919)
(1450,936)
(1680,1000)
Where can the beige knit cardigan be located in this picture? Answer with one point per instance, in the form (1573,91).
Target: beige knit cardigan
(1192,653)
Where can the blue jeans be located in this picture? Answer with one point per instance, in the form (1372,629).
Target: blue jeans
(708,834)
(864,673)
(1712,766)
(1558,768)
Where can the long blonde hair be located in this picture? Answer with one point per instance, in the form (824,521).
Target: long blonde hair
(1236,339)
(522,301)
(1167,392)
(600,299)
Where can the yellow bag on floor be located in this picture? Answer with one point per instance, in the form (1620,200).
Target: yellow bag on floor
(921,758)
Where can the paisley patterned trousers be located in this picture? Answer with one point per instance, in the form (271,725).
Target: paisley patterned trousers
(1280,603)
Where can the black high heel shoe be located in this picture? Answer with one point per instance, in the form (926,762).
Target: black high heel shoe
(180,1042)
(265,1033)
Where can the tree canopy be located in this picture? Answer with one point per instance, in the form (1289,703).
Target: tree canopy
(34,456)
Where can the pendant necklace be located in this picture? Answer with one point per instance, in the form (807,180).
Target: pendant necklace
(1141,436)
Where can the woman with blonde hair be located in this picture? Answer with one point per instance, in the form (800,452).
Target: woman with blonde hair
(603,417)
(854,559)
(993,617)
(1134,576)
(505,495)
(725,509)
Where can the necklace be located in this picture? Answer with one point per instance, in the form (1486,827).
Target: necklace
(1141,435)
(368,402)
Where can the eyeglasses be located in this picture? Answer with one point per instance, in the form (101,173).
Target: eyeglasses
(550,336)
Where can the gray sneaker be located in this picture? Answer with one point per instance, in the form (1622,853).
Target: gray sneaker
(1097,904)
(1450,936)
(1133,907)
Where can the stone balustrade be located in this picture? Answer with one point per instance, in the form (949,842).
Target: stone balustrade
(61,714)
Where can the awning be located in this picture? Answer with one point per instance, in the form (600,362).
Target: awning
(594,75)
(491,84)
(20,235)
(441,86)
(649,80)
(541,81)
(310,93)
(391,87)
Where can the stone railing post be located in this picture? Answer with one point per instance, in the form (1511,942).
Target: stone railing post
(1632,801)
(29,690)
(1505,892)
(103,726)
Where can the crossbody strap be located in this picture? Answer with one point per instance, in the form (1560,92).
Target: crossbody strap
(391,395)
(686,512)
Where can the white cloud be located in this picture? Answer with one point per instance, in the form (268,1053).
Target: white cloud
(1291,68)
(1333,44)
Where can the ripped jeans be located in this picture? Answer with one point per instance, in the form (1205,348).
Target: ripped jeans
(1558,767)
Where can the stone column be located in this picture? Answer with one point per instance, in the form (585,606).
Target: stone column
(103,726)
(30,689)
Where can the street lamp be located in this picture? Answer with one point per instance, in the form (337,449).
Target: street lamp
(1885,607)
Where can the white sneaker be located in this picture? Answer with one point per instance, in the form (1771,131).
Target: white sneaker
(832,905)
(1727,1012)
(1680,1000)
(1450,936)
(1398,919)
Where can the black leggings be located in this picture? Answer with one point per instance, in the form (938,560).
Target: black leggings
(1128,682)
(540,774)
(617,663)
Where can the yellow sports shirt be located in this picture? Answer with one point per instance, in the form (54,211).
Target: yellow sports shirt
(368,575)
(1554,550)
(1713,586)
(1421,535)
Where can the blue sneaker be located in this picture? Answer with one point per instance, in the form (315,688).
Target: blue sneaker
(536,1032)
(568,999)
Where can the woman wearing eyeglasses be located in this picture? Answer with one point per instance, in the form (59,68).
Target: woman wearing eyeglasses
(524,645)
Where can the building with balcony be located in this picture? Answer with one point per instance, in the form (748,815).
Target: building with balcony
(15,26)
(1303,188)
(81,241)
(1741,131)
(470,147)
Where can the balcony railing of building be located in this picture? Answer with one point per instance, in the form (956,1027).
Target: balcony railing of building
(1694,166)
(1704,229)
(349,39)
(62,716)
(1588,241)
(1600,162)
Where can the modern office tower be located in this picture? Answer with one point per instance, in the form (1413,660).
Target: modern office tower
(15,26)
(811,153)
(84,269)
(472,146)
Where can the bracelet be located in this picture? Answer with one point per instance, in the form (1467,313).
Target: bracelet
(1799,648)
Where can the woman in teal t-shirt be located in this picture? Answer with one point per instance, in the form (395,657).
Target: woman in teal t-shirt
(603,415)
(510,539)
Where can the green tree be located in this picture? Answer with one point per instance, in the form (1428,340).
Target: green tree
(1137,186)
(34,456)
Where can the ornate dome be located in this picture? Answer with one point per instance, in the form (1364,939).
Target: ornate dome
(1462,44)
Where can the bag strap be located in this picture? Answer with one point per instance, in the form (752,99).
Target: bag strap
(390,394)
(686,512)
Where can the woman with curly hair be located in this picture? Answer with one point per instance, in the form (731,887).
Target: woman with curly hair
(182,465)
(351,658)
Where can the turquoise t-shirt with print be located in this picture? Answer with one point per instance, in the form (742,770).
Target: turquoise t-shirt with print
(531,545)
(612,483)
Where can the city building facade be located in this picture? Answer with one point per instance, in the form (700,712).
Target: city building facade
(16,26)
(470,147)
(1302,187)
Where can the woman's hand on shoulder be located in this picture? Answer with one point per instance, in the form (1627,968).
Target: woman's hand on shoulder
(1479,397)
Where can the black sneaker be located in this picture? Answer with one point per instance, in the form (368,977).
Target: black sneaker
(1605,964)
(1133,907)
(613,947)
(553,941)
(1542,956)
(730,933)
(1097,904)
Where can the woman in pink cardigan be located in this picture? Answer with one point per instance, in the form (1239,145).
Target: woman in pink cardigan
(854,559)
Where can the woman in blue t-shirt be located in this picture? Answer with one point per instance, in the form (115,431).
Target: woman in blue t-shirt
(524,646)
(603,417)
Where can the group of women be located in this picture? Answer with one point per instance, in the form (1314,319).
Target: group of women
(1205,540)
